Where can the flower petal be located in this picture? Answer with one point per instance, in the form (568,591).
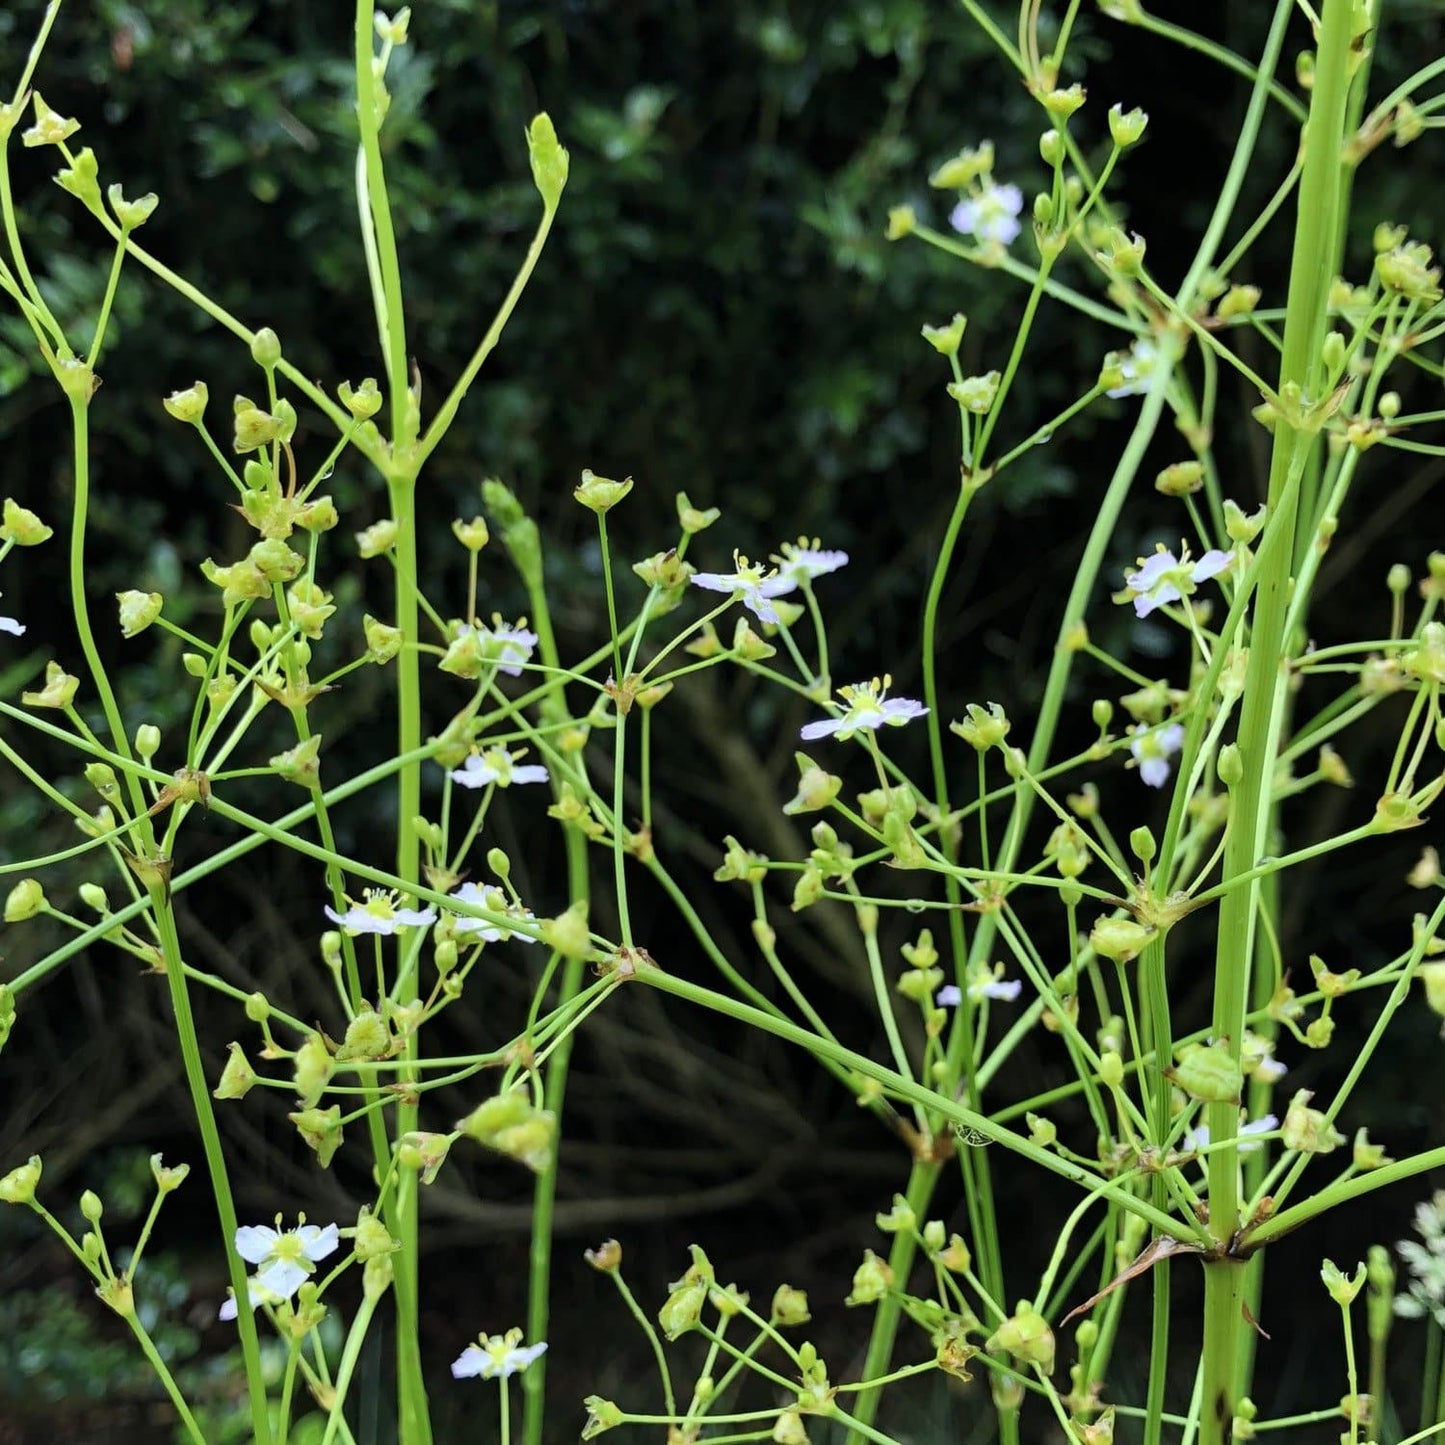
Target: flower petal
(472,1361)
(255,1242)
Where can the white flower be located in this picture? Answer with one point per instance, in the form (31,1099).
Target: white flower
(867,707)
(379,914)
(496,1357)
(10,625)
(799,563)
(1165,578)
(1198,1137)
(495,765)
(1135,366)
(285,1259)
(983,982)
(748,582)
(508,648)
(494,901)
(991,215)
(1152,751)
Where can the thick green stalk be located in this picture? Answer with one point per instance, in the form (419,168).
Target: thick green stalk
(1265,691)
(215,1156)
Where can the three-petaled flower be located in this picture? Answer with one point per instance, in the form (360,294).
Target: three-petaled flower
(509,649)
(991,214)
(1135,367)
(1198,1137)
(285,1259)
(1152,751)
(982,982)
(379,914)
(1165,578)
(756,586)
(868,706)
(496,765)
(494,901)
(496,1357)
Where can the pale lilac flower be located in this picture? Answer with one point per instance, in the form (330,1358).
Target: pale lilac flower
(868,706)
(379,914)
(983,982)
(749,583)
(10,625)
(1135,366)
(797,564)
(509,648)
(496,1357)
(1152,751)
(1160,577)
(991,215)
(285,1259)
(495,765)
(1198,1137)
(494,901)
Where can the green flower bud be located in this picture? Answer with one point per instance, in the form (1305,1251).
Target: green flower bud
(1206,1072)
(1061,104)
(81,179)
(138,610)
(1111,1069)
(424,1152)
(266,348)
(168,1179)
(377,539)
(1027,1337)
(1230,765)
(1342,1289)
(58,692)
(1180,480)
(258,1006)
(902,221)
(871,1280)
(367,1037)
(967,166)
(363,402)
(1142,845)
(472,535)
(548,158)
(254,427)
(21,526)
(20,1184)
(188,405)
(567,933)
(789,1307)
(132,214)
(300,764)
(147,741)
(320,1131)
(1120,938)
(50,128)
(1052,149)
(1237,301)
(975,394)
(947,339)
(1125,127)
(24,901)
(1305,1129)
(982,729)
(601,494)
(313,1066)
(382,641)
(692,519)
(91,1207)
(237,1078)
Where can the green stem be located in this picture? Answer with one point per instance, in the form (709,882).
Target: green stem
(1264,701)
(215,1156)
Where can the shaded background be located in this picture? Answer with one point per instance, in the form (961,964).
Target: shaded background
(717,312)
